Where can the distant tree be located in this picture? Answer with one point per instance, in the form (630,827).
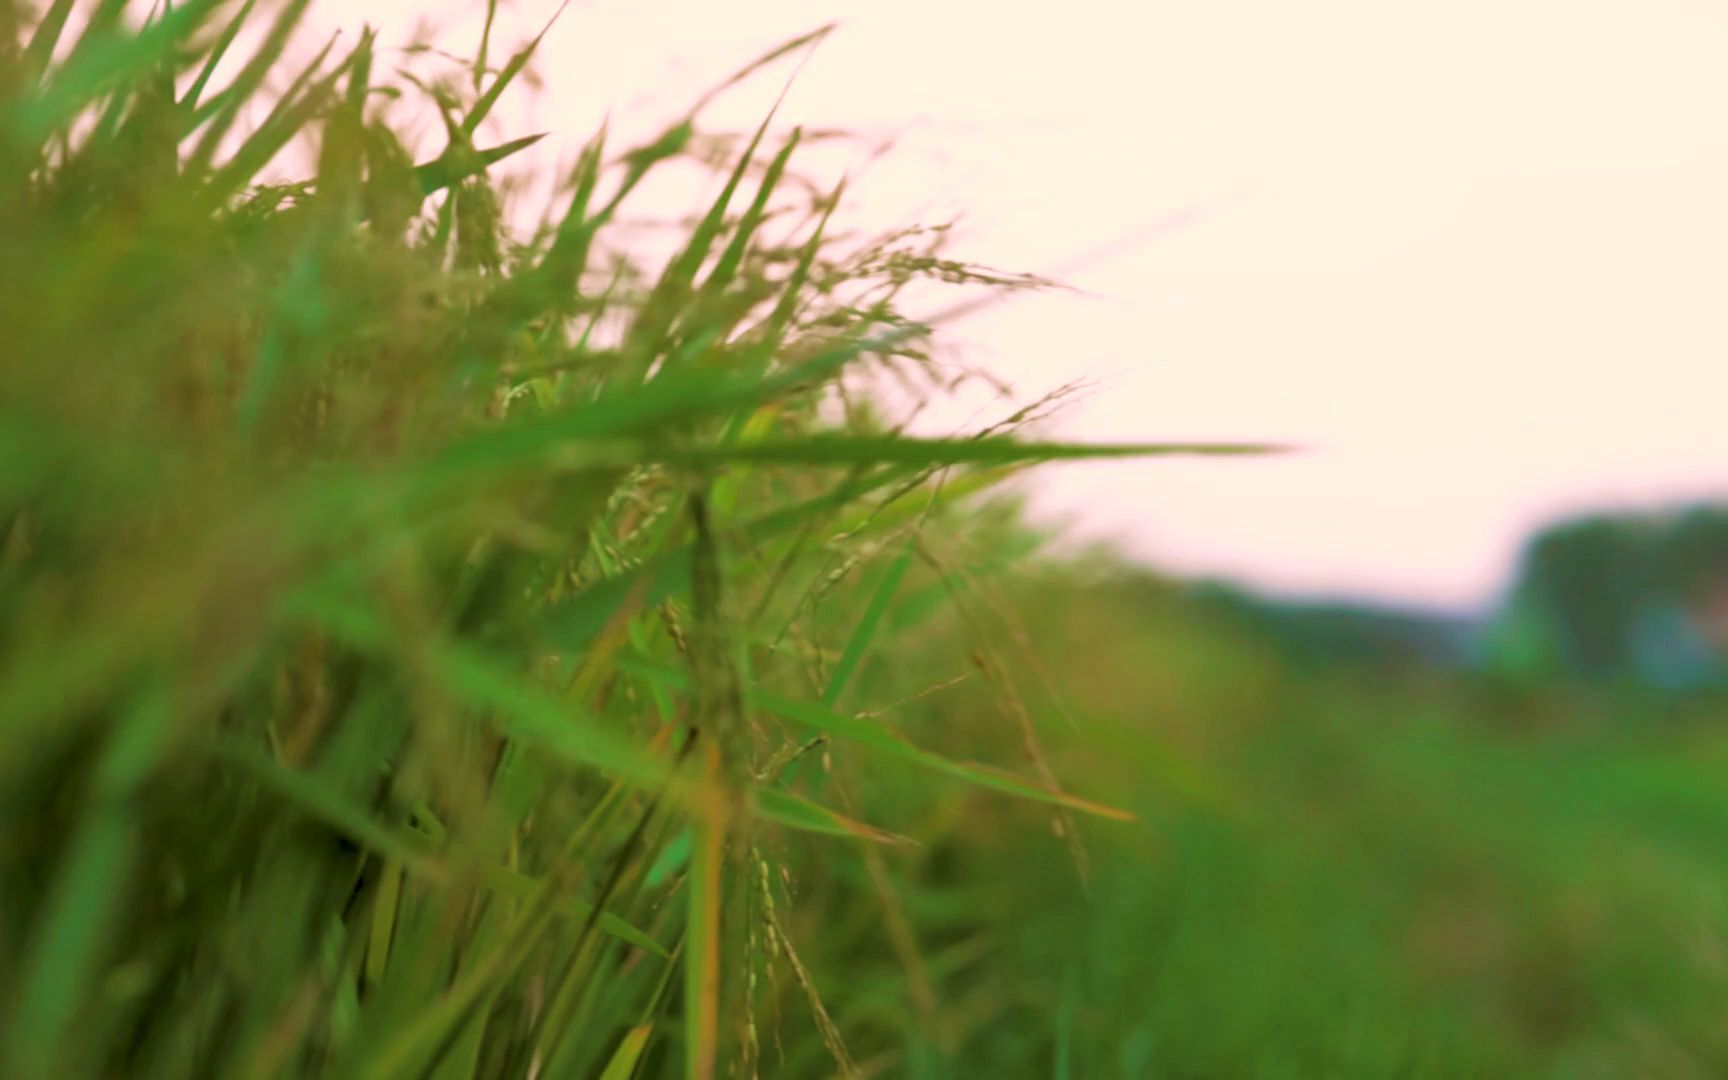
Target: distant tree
(1614,596)
(1590,578)
(1696,559)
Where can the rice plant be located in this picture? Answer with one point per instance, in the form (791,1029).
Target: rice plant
(424,637)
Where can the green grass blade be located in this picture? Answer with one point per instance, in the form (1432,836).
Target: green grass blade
(45,37)
(195,92)
(453,167)
(317,799)
(702,945)
(383,928)
(784,808)
(226,106)
(526,888)
(849,450)
(869,733)
(512,68)
(779,321)
(726,268)
(687,395)
(523,710)
(622,1065)
(866,628)
(85,902)
(102,60)
(297,106)
(642,160)
(67,953)
(403,849)
(813,37)
(672,290)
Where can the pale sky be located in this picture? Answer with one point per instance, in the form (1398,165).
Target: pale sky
(1473,256)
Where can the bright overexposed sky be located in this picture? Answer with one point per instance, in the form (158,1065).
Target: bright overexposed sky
(1473,257)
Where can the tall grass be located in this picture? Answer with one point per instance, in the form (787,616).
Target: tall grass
(422,641)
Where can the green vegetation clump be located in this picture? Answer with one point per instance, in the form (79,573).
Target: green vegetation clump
(427,649)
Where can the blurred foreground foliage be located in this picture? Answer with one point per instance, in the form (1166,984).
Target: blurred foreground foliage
(429,649)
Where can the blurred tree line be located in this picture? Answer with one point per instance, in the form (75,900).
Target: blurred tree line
(1640,598)
(1607,598)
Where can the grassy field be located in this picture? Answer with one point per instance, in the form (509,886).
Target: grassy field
(1335,872)
(436,649)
